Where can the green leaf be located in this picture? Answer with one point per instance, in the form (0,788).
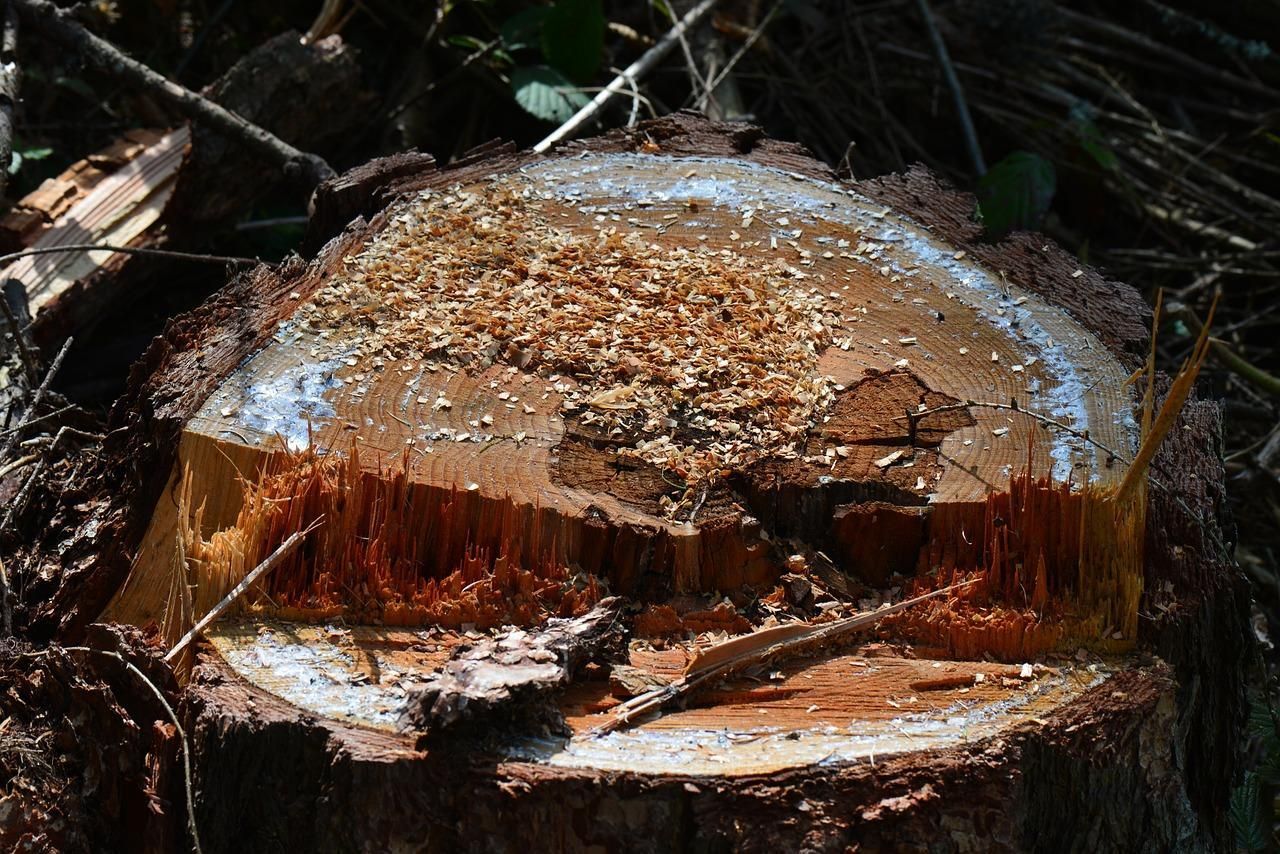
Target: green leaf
(573,37)
(524,29)
(469,43)
(1016,193)
(23,154)
(36,153)
(1246,816)
(1091,139)
(546,93)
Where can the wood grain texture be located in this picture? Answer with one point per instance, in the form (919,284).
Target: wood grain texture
(899,323)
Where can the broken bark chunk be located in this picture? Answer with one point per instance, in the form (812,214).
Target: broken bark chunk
(514,676)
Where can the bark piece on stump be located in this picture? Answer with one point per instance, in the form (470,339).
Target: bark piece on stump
(514,676)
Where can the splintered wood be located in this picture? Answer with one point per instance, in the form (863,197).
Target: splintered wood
(857,705)
(111,197)
(644,374)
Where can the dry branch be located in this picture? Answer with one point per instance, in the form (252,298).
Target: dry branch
(737,654)
(623,83)
(10,81)
(308,169)
(273,560)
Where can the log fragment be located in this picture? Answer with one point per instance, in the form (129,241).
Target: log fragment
(155,188)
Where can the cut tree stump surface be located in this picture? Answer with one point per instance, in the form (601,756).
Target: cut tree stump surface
(639,366)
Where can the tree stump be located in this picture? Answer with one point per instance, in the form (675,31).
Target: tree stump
(685,365)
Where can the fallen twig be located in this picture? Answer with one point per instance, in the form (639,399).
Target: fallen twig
(10,81)
(913,418)
(20,462)
(633,72)
(128,250)
(724,659)
(4,601)
(44,16)
(1229,358)
(40,392)
(16,328)
(271,561)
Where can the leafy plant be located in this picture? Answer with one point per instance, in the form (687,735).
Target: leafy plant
(22,154)
(546,93)
(1251,819)
(569,36)
(1016,193)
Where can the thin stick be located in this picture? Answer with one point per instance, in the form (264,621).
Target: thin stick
(35,400)
(15,507)
(128,250)
(19,339)
(953,83)
(914,418)
(173,716)
(803,638)
(1229,358)
(4,599)
(739,54)
(44,16)
(20,462)
(633,72)
(34,421)
(248,581)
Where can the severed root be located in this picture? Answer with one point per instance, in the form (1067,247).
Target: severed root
(516,674)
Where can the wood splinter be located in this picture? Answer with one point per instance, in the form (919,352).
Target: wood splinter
(736,654)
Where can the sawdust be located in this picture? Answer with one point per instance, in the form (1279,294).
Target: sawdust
(696,359)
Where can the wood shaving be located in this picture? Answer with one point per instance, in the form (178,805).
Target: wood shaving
(703,359)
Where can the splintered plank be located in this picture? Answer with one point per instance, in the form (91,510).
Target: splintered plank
(112,197)
(637,366)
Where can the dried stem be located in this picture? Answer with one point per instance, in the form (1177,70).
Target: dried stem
(35,401)
(957,93)
(19,337)
(1265,381)
(272,560)
(173,716)
(10,82)
(743,652)
(633,72)
(127,250)
(913,418)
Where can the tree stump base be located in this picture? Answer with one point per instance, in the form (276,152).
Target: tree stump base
(684,365)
